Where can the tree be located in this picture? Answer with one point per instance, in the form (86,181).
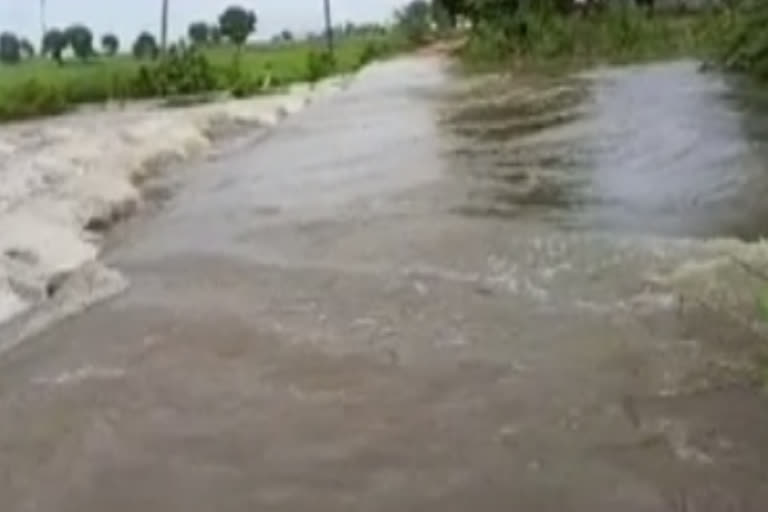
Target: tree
(214,34)
(199,33)
(451,9)
(54,43)
(237,24)
(414,20)
(110,44)
(27,49)
(287,36)
(80,38)
(10,48)
(145,46)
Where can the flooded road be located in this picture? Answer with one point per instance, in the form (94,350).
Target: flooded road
(661,149)
(424,294)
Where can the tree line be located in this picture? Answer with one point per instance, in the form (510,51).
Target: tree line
(447,13)
(235,25)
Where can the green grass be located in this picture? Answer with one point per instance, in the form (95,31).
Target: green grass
(42,87)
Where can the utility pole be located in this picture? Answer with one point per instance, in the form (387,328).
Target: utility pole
(328,26)
(43,26)
(164,27)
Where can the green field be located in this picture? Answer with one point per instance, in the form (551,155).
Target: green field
(43,87)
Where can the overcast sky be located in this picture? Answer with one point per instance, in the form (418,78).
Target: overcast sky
(128,17)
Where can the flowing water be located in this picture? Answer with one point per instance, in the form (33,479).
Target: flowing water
(64,181)
(427,293)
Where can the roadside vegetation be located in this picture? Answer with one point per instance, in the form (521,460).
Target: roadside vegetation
(745,47)
(561,34)
(75,66)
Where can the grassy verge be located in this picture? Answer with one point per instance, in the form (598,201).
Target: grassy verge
(552,42)
(41,87)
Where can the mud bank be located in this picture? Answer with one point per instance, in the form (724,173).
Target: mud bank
(65,181)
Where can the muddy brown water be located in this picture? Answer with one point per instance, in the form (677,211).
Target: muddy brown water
(421,294)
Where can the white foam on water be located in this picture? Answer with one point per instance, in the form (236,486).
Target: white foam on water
(85,373)
(58,175)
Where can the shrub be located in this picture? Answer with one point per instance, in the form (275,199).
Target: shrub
(182,71)
(319,65)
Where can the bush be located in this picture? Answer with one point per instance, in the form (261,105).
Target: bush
(371,51)
(614,34)
(182,71)
(319,65)
(744,46)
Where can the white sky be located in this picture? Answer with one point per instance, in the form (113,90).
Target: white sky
(127,18)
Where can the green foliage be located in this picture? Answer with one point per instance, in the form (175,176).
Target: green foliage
(199,32)
(145,46)
(10,48)
(319,65)
(54,43)
(414,21)
(27,49)
(31,99)
(214,34)
(614,34)
(181,71)
(80,38)
(371,51)
(237,23)
(442,15)
(38,87)
(110,44)
(745,44)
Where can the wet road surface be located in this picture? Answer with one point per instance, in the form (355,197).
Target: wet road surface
(355,314)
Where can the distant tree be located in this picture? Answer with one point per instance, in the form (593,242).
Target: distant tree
(450,10)
(199,33)
(414,20)
(145,46)
(237,24)
(110,44)
(287,36)
(27,49)
(54,43)
(80,38)
(214,34)
(10,48)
